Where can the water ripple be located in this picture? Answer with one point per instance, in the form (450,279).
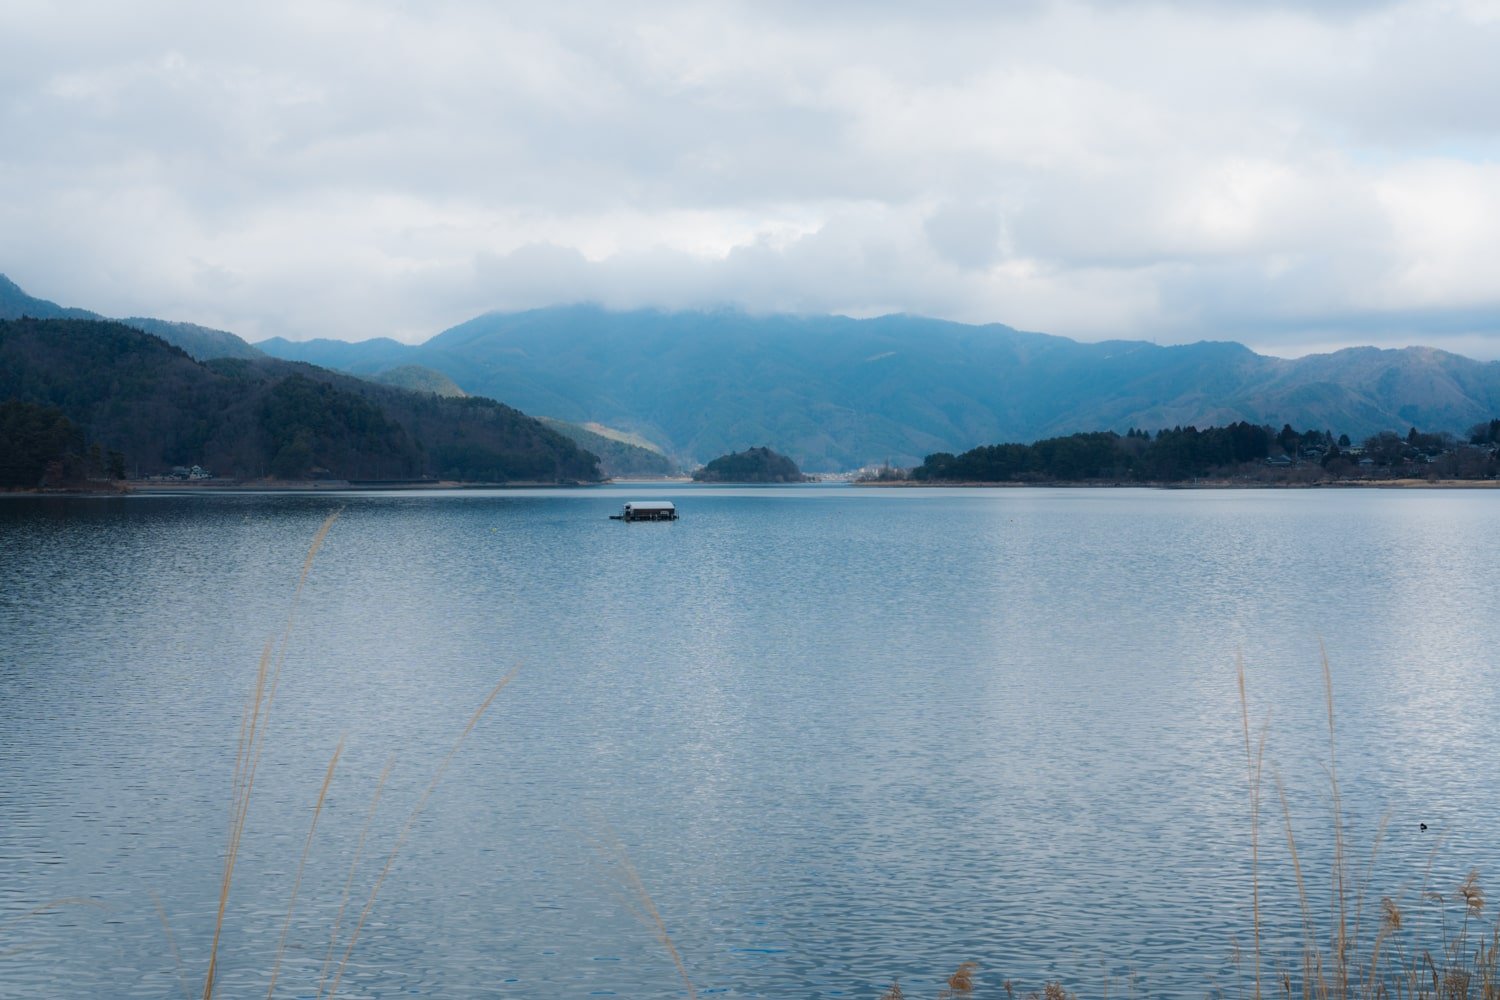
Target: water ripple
(844,736)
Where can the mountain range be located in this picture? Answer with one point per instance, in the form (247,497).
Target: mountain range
(838,393)
(618,455)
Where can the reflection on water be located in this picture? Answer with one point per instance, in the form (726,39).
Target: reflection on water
(845,735)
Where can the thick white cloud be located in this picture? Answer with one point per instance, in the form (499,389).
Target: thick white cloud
(1296,177)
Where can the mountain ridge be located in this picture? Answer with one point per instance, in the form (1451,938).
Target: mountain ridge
(201,342)
(838,392)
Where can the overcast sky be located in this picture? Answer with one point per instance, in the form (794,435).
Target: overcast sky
(1296,177)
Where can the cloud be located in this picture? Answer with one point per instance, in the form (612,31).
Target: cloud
(1290,175)
(966,235)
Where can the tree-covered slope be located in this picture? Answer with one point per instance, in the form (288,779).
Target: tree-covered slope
(34,440)
(415,378)
(15,303)
(753,465)
(617,459)
(365,357)
(251,417)
(198,341)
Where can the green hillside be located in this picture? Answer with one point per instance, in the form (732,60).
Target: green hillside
(415,378)
(134,393)
(753,465)
(15,303)
(198,341)
(617,459)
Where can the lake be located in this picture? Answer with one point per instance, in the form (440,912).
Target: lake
(840,735)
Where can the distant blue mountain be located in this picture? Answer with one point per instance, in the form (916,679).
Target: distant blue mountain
(838,393)
(365,357)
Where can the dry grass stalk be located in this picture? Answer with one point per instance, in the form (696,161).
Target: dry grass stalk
(1463,968)
(53,905)
(1254,764)
(1359,903)
(44,908)
(894,992)
(1388,969)
(1308,938)
(252,742)
(301,866)
(248,751)
(359,850)
(1341,940)
(1051,990)
(1472,894)
(166,926)
(638,902)
(410,820)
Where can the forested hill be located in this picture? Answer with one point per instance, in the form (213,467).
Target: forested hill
(15,303)
(839,393)
(198,341)
(753,465)
(617,459)
(133,393)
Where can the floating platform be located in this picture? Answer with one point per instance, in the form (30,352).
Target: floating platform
(647,510)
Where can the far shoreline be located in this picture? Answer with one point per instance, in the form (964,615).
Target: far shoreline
(154,487)
(127,488)
(1201,484)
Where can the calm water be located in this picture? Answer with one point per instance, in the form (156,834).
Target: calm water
(842,734)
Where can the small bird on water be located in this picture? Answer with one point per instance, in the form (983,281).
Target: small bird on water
(1423,826)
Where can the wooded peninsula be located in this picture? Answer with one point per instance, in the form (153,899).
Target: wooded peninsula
(1238,453)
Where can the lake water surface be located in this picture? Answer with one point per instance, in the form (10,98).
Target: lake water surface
(842,734)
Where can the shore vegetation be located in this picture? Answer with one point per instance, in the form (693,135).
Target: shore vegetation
(1240,452)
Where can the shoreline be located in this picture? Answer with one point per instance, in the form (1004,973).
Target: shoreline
(158,488)
(144,487)
(1206,484)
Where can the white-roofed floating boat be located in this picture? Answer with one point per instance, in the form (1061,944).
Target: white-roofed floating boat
(647,510)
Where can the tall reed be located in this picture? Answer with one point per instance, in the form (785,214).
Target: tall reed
(253,724)
(1458,960)
(249,748)
(637,900)
(1392,963)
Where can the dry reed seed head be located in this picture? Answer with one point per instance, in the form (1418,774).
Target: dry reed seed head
(894,993)
(1010,988)
(1472,894)
(1392,913)
(962,980)
(1054,991)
